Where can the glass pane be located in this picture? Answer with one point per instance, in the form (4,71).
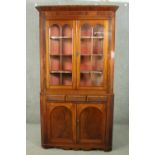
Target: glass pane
(98,30)
(86,30)
(97,63)
(67,31)
(54,30)
(98,39)
(91,55)
(85,63)
(67,79)
(85,79)
(54,41)
(97,79)
(54,47)
(60,46)
(66,46)
(67,63)
(55,63)
(97,46)
(85,46)
(54,79)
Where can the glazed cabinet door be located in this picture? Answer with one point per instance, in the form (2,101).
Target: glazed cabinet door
(61,118)
(91,123)
(60,38)
(92,37)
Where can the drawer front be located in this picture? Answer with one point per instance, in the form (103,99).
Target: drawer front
(76,98)
(97,98)
(55,98)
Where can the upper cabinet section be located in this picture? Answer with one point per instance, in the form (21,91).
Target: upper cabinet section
(77,47)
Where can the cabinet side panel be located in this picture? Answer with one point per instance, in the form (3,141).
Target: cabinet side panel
(109,124)
(112,53)
(42,51)
(42,80)
(43,119)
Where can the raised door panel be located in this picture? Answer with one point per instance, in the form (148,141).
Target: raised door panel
(61,122)
(92,54)
(60,38)
(91,123)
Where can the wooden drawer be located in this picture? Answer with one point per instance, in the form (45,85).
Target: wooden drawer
(97,98)
(55,98)
(76,98)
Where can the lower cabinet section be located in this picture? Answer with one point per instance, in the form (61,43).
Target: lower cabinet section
(76,125)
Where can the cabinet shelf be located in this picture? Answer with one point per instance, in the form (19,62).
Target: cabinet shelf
(60,37)
(91,54)
(92,37)
(93,72)
(71,55)
(67,72)
(60,55)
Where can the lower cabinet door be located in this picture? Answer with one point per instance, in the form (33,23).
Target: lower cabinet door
(61,119)
(91,123)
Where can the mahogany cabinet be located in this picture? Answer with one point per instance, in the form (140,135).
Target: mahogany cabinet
(76,76)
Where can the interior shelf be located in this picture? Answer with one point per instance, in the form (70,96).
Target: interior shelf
(92,37)
(92,54)
(67,72)
(94,72)
(60,37)
(53,55)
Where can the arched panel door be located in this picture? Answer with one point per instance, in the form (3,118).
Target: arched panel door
(61,123)
(90,123)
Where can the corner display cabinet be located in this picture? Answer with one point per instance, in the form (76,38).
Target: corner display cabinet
(77,67)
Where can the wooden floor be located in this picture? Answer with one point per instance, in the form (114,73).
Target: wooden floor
(120,143)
